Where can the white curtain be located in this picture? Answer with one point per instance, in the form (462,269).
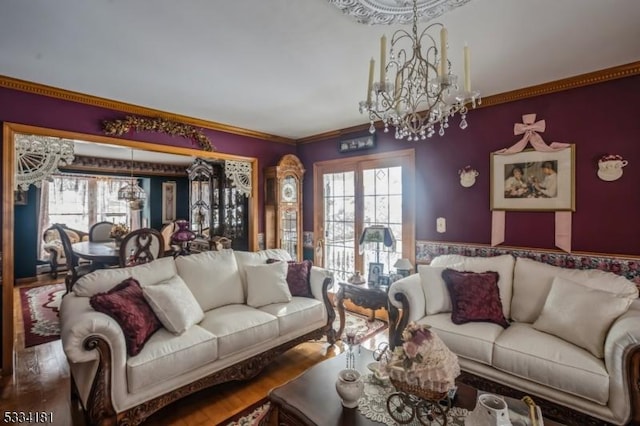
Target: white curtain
(43,216)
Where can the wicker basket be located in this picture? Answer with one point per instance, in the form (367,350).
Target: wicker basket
(418,391)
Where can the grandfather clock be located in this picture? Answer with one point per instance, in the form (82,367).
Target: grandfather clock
(283,206)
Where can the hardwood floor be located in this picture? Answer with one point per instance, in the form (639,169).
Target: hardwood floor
(41,382)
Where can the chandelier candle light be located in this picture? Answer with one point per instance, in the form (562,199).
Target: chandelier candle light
(422,92)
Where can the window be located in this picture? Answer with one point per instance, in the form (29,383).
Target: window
(80,201)
(356,193)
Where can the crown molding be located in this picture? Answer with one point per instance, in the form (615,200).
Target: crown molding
(587,79)
(68,95)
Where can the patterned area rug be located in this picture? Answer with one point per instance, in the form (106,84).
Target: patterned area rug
(360,323)
(254,415)
(40,313)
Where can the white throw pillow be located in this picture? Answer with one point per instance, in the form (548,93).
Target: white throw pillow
(580,315)
(103,280)
(248,258)
(212,277)
(267,284)
(532,282)
(174,304)
(435,289)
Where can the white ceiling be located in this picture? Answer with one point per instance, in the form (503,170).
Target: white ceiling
(291,68)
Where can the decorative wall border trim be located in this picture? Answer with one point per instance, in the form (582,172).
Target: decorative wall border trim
(159,125)
(588,79)
(84,163)
(621,264)
(54,92)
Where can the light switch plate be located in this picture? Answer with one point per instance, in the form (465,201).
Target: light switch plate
(441,225)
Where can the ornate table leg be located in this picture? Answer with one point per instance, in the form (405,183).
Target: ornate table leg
(340,306)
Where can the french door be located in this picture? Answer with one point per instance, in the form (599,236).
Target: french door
(357,192)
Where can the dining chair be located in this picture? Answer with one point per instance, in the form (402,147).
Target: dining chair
(141,246)
(167,230)
(74,269)
(100,231)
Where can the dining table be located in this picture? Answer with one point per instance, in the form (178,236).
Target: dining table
(101,253)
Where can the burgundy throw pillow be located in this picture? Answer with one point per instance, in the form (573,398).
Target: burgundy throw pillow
(474,297)
(298,277)
(125,303)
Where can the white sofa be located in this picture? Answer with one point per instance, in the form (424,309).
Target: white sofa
(231,340)
(541,303)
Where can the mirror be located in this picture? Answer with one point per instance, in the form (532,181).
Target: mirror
(142,151)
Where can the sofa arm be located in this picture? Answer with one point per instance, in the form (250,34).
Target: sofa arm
(622,360)
(316,279)
(78,321)
(405,294)
(321,281)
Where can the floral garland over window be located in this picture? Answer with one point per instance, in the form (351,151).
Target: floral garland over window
(160,125)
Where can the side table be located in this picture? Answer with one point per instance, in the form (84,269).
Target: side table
(363,295)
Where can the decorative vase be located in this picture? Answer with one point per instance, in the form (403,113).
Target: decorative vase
(350,387)
(491,410)
(118,240)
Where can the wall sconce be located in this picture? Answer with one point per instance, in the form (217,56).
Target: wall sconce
(468,176)
(610,167)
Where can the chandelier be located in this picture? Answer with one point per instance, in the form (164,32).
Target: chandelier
(417,91)
(132,192)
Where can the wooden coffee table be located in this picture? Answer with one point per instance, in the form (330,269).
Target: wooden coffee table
(311,398)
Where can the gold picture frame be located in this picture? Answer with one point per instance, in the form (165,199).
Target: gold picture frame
(534,180)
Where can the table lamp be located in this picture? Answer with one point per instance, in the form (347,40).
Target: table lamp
(403,267)
(377,234)
(182,236)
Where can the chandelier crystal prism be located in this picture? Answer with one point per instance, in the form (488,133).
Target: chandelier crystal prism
(417,93)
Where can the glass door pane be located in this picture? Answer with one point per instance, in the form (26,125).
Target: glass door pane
(382,196)
(339,223)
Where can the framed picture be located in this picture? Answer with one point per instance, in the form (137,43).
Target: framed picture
(384,280)
(375,272)
(357,144)
(533,180)
(20,197)
(168,201)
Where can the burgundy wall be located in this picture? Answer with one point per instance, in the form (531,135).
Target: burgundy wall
(36,110)
(598,119)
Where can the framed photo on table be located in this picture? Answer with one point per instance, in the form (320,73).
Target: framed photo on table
(168,201)
(375,272)
(533,180)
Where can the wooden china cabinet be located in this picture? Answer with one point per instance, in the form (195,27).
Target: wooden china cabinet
(283,206)
(216,207)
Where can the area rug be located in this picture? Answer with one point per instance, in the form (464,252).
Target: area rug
(255,415)
(40,313)
(360,323)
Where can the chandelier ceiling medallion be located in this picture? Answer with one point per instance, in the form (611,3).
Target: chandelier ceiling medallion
(38,157)
(390,12)
(416,91)
(132,192)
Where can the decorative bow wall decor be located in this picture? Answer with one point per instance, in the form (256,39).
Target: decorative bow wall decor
(539,179)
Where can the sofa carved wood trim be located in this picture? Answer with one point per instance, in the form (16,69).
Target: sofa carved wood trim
(100,410)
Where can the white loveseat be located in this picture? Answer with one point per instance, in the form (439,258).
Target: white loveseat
(231,340)
(599,380)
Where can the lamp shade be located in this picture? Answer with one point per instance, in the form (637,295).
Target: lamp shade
(377,234)
(183,234)
(403,265)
